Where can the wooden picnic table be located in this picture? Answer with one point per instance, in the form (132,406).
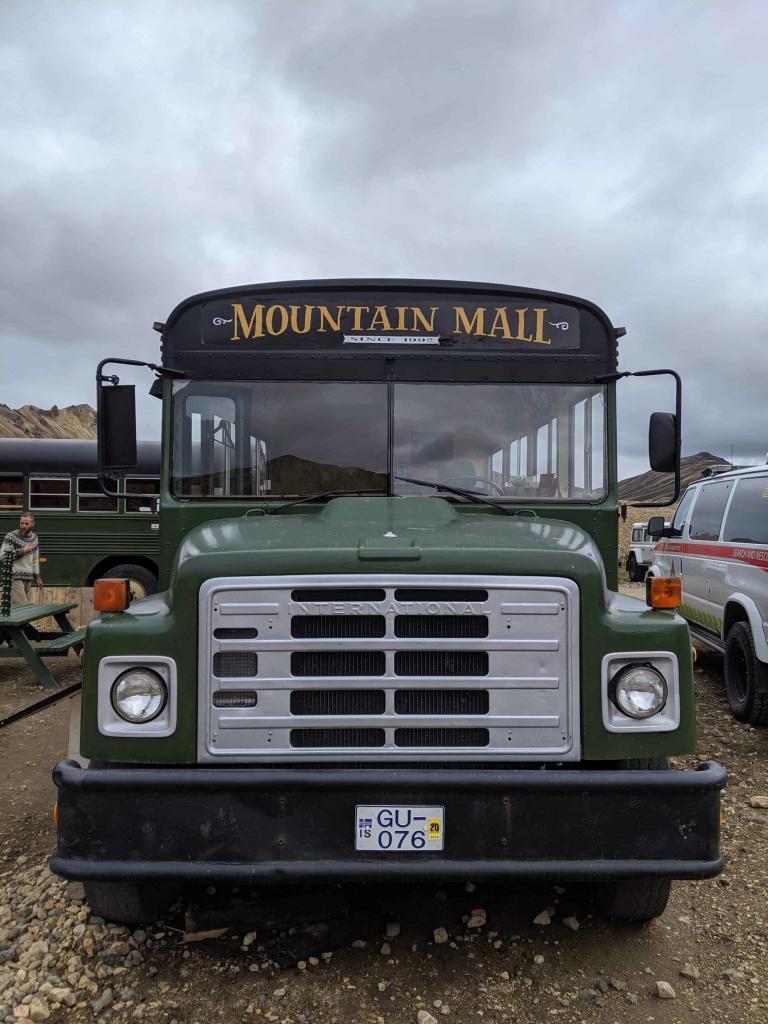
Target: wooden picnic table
(20,638)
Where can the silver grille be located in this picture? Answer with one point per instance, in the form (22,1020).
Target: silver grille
(378,668)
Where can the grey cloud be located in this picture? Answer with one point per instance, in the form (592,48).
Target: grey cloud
(610,150)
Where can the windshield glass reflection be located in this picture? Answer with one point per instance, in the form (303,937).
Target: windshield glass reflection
(286,439)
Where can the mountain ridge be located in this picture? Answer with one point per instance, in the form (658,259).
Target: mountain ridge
(76,421)
(657,487)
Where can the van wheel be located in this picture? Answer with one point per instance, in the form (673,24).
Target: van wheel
(129,902)
(746,678)
(635,572)
(633,899)
(142,581)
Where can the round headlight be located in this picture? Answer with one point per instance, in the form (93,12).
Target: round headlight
(639,691)
(139,695)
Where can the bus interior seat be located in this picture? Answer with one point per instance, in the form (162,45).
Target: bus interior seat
(548,485)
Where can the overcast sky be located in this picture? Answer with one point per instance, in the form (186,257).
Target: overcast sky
(615,150)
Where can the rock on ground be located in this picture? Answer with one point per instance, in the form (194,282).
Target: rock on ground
(665,991)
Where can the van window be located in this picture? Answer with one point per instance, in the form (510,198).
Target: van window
(681,515)
(708,511)
(747,521)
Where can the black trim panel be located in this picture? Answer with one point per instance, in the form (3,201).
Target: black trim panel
(317,352)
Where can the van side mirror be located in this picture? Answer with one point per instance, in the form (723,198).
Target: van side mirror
(655,527)
(116,424)
(662,442)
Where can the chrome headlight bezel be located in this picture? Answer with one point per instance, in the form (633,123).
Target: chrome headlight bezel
(110,722)
(133,675)
(621,683)
(667,719)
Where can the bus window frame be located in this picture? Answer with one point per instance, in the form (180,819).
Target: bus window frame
(97,494)
(11,476)
(126,494)
(34,477)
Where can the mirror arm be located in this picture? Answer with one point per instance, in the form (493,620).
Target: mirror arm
(611,377)
(114,380)
(161,371)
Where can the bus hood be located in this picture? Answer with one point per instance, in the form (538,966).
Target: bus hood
(388,535)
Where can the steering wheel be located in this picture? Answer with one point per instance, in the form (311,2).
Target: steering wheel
(464,481)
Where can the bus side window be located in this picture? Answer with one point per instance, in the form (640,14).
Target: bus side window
(47,492)
(11,491)
(141,485)
(497,467)
(91,498)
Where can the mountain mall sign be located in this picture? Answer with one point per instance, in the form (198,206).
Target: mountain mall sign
(553,327)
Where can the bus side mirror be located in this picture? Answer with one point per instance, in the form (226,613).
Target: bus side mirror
(116,424)
(662,443)
(655,527)
(663,436)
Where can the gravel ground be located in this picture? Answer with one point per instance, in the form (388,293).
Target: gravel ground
(445,954)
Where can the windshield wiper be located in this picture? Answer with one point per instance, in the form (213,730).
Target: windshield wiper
(267,511)
(479,499)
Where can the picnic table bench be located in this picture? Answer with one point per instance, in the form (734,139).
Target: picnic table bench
(20,638)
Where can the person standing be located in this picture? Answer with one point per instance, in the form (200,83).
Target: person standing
(26,566)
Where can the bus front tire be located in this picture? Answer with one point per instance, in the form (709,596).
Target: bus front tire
(746,677)
(633,899)
(143,582)
(129,902)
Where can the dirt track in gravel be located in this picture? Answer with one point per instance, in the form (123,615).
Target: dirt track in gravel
(509,970)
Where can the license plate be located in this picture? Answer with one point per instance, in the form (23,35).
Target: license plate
(389,829)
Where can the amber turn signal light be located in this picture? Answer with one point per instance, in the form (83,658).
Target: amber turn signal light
(111,595)
(664,591)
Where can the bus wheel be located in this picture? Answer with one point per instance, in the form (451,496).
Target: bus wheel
(142,581)
(633,899)
(130,902)
(746,677)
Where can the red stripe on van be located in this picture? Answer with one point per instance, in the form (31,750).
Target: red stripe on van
(757,556)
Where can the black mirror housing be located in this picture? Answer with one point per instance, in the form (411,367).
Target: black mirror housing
(117,429)
(656,527)
(662,442)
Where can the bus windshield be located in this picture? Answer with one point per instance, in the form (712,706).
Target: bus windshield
(285,439)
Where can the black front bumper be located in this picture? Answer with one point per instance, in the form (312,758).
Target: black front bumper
(257,825)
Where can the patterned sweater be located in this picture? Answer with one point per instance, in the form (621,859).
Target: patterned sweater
(25,566)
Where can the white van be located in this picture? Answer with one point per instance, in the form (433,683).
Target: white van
(640,552)
(718,543)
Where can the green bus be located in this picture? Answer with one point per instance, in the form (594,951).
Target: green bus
(391,643)
(84,533)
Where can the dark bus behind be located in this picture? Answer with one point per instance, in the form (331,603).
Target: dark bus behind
(84,534)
